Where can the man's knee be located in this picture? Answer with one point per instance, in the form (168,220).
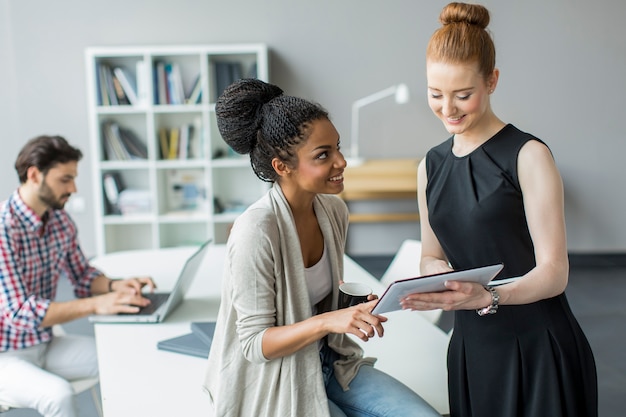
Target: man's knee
(58,399)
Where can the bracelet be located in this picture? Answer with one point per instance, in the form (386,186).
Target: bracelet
(493,307)
(111,281)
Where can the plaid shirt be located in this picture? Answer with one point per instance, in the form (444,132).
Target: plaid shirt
(33,255)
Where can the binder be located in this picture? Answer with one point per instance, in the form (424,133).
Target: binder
(197,343)
(204,331)
(188,344)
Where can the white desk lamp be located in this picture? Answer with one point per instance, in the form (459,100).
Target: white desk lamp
(401,93)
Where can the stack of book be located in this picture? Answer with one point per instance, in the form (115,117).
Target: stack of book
(121,144)
(168,85)
(181,142)
(135,201)
(117,86)
(227,72)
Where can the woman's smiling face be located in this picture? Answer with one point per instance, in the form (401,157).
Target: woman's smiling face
(457,94)
(320,161)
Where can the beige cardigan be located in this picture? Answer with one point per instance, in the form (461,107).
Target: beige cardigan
(263,286)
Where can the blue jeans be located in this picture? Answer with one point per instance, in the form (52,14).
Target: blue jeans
(372,393)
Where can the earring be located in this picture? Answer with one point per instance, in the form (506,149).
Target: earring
(490,91)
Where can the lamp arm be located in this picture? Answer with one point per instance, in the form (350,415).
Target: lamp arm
(354,131)
(375,97)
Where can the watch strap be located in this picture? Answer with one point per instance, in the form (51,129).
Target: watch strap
(493,307)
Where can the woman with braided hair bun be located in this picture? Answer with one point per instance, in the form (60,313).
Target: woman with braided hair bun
(492,193)
(280,346)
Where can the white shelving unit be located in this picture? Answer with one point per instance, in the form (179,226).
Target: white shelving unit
(174,199)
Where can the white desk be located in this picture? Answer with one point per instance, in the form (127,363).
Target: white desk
(137,379)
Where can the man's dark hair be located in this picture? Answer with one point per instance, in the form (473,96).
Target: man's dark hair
(44,152)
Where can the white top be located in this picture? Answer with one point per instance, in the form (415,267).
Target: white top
(318,280)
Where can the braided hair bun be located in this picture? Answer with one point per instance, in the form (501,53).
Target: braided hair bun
(238,112)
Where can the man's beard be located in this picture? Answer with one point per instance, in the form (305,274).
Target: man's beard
(46,196)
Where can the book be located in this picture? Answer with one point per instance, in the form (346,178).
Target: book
(164,142)
(116,138)
(143,81)
(173,145)
(222,77)
(134,146)
(121,144)
(195,139)
(204,331)
(102,86)
(161,84)
(183,143)
(112,186)
(108,81)
(114,149)
(108,150)
(187,344)
(195,94)
(99,97)
(127,84)
(169,83)
(177,95)
(119,91)
(226,73)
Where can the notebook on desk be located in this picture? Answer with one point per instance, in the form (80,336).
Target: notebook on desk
(197,343)
(187,344)
(162,304)
(204,330)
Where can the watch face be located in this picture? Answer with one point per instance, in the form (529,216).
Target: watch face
(487,310)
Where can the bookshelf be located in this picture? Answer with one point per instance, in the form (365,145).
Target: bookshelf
(162,175)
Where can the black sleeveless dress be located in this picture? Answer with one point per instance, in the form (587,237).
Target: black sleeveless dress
(529,360)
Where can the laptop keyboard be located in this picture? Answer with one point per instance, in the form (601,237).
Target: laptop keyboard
(156,300)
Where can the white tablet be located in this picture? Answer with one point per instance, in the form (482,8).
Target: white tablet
(397,290)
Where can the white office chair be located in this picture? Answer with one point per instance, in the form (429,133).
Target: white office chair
(406,264)
(79,385)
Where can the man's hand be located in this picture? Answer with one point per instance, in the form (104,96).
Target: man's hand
(127,300)
(133,285)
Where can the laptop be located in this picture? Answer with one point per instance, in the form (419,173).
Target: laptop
(162,303)
(390,300)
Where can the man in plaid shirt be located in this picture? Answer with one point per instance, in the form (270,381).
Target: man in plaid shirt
(38,244)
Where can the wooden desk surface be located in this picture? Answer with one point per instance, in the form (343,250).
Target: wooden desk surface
(381,179)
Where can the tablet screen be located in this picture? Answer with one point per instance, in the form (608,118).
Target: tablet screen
(390,300)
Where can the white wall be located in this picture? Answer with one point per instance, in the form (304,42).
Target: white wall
(8,107)
(562,64)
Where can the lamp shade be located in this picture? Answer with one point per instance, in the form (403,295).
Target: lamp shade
(401,95)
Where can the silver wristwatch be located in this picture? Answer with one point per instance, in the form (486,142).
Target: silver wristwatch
(493,307)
